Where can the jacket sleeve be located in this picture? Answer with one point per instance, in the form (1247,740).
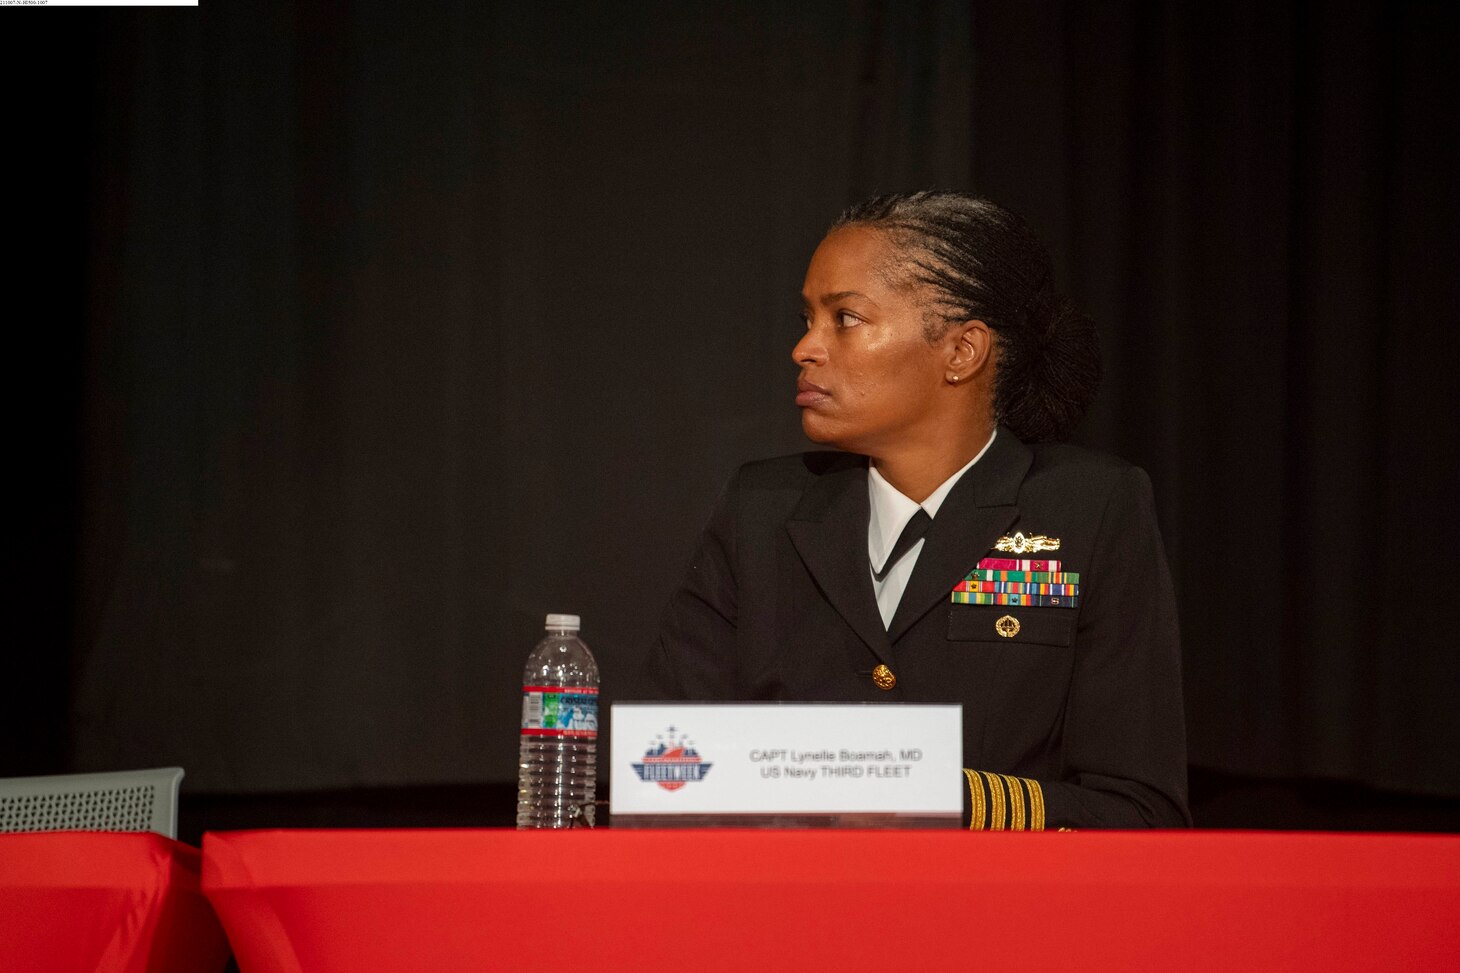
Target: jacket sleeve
(694,655)
(1124,735)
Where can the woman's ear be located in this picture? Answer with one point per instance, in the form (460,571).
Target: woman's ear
(971,350)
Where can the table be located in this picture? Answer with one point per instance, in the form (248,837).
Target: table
(834,900)
(105,901)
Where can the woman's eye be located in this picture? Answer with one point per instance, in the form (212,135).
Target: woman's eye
(846,319)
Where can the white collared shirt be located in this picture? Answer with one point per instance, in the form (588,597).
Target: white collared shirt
(891,511)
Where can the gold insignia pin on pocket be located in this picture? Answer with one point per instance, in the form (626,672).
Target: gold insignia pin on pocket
(1007,626)
(1022,543)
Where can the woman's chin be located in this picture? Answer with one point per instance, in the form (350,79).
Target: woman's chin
(819,430)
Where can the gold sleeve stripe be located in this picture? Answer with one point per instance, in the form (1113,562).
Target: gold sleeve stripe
(975,801)
(1016,803)
(996,798)
(1036,804)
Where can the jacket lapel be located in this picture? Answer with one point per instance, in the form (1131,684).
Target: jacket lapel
(829,531)
(980,507)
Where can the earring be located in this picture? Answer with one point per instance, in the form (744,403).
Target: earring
(953,379)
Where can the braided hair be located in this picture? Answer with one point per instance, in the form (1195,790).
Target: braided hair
(983,262)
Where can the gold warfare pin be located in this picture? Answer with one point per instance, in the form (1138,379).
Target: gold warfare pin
(1022,543)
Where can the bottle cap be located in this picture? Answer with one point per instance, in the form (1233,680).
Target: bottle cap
(571,622)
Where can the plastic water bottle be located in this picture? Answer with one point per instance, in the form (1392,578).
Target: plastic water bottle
(557,773)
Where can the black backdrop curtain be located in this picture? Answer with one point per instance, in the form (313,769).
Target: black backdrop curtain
(1257,200)
(408,326)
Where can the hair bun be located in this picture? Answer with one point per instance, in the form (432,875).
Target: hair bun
(1046,383)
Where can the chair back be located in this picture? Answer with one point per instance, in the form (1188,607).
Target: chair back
(124,800)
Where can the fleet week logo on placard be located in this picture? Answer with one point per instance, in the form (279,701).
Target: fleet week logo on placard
(671,762)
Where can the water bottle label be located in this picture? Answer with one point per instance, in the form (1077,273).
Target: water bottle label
(555,711)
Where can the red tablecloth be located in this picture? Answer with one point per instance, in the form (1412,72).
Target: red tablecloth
(100,901)
(834,900)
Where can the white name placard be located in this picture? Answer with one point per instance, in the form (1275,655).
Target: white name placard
(855,764)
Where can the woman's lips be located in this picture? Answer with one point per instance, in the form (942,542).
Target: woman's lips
(808,394)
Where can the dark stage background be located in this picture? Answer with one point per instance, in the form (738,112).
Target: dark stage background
(354,337)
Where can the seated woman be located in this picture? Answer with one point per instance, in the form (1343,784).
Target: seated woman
(953,552)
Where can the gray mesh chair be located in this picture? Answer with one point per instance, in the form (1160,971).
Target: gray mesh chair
(126,800)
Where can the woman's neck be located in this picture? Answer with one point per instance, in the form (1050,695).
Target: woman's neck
(917,469)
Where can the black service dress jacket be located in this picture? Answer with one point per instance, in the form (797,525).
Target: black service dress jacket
(778,604)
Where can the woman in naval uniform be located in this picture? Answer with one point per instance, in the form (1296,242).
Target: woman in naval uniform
(953,551)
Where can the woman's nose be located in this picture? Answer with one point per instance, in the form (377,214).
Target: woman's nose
(810,350)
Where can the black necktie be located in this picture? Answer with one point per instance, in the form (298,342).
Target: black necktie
(911,534)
